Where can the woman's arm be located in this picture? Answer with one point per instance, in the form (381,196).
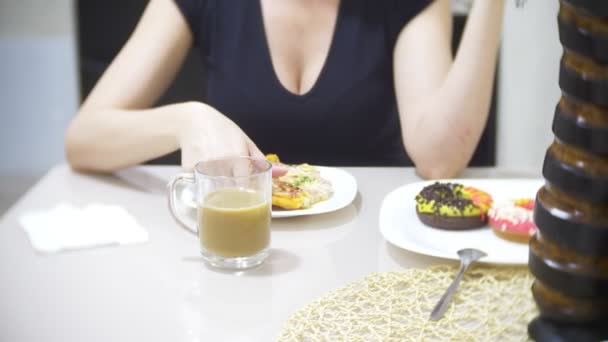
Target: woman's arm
(114,127)
(444,102)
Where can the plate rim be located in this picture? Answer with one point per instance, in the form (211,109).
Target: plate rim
(384,225)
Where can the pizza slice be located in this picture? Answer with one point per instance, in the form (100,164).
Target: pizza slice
(300,188)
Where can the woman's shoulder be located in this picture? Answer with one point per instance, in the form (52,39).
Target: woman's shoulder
(191,5)
(392,14)
(192,10)
(405,10)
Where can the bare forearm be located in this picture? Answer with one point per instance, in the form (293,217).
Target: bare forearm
(105,140)
(453,117)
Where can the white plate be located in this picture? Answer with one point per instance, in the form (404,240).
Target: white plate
(345,191)
(343,183)
(400,225)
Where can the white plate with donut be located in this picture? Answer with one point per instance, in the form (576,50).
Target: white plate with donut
(400,225)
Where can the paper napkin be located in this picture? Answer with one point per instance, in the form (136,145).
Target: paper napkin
(67,227)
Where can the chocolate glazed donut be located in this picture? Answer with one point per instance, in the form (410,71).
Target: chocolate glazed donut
(452,206)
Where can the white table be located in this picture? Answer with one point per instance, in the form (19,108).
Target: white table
(161,290)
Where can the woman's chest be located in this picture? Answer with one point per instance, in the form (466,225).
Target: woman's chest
(299,37)
(248,73)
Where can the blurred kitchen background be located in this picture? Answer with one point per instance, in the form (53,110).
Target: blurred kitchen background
(46,65)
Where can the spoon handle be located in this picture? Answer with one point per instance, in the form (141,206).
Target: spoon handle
(445,300)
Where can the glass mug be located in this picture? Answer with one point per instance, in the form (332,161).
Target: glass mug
(233,198)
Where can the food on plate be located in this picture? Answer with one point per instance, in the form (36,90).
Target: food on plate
(273,158)
(513,220)
(526,203)
(452,206)
(300,188)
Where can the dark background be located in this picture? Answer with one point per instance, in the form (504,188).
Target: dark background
(104,26)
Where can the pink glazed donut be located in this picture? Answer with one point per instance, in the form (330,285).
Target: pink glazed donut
(513,220)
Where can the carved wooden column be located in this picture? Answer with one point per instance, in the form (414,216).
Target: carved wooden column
(569,256)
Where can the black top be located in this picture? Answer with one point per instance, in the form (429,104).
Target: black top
(349,116)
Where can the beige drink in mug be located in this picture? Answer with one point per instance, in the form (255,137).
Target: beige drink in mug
(233,197)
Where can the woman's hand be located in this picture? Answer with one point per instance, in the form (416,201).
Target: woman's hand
(279,169)
(208,134)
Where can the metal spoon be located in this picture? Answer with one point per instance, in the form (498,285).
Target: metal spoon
(467,257)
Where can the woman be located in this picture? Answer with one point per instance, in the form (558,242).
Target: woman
(351,81)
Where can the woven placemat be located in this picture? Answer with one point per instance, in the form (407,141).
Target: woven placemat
(491,304)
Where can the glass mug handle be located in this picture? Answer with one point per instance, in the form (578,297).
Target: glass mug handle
(183,178)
